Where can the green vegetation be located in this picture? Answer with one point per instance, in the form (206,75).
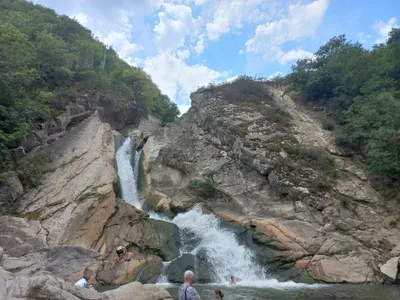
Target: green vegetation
(361,89)
(328,125)
(31,168)
(204,187)
(242,89)
(43,55)
(314,158)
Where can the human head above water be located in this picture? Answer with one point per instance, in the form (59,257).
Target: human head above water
(219,294)
(188,277)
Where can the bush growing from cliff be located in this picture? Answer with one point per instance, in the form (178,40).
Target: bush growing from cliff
(204,187)
(242,89)
(31,169)
(315,158)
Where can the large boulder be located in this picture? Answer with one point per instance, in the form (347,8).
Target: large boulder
(137,291)
(150,272)
(127,226)
(19,236)
(176,269)
(205,272)
(48,287)
(65,262)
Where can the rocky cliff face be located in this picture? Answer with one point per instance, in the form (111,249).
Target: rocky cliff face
(72,220)
(310,212)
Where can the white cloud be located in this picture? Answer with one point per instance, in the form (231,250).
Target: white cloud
(302,21)
(199,48)
(384,28)
(175,24)
(228,14)
(294,55)
(183,108)
(81,18)
(121,41)
(230,79)
(274,75)
(175,77)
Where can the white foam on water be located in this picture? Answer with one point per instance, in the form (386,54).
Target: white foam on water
(224,252)
(159,216)
(127,174)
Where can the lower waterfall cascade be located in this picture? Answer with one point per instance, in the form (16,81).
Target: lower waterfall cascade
(200,232)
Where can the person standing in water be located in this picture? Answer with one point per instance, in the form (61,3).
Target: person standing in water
(186,291)
(219,295)
(233,281)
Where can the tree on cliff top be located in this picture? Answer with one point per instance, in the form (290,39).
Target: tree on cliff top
(361,89)
(42,54)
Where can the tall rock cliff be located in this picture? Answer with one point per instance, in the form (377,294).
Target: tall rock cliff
(308,211)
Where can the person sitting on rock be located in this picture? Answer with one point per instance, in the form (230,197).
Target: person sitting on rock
(219,295)
(233,280)
(84,281)
(123,255)
(186,291)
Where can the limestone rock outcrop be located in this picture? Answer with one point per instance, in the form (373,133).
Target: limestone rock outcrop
(311,212)
(49,287)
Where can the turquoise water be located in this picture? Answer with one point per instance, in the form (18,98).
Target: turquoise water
(339,291)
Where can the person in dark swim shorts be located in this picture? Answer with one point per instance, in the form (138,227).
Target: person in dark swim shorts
(123,255)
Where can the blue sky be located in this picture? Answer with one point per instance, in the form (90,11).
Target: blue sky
(184,44)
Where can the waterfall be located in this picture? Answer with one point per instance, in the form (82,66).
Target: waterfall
(128,174)
(204,232)
(228,257)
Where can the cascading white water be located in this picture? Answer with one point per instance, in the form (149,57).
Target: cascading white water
(127,174)
(224,252)
(227,256)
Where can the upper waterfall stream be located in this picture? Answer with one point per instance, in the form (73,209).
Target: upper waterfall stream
(128,174)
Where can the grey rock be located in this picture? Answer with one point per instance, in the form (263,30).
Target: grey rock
(390,268)
(177,267)
(18,237)
(139,292)
(205,272)
(150,272)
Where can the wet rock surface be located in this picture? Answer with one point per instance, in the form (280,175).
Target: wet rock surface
(176,269)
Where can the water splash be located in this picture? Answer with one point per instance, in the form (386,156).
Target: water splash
(127,174)
(227,256)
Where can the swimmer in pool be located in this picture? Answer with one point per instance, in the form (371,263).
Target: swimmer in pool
(233,281)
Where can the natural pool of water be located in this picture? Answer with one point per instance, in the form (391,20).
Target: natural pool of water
(321,292)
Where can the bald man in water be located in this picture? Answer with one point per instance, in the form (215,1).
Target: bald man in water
(186,291)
